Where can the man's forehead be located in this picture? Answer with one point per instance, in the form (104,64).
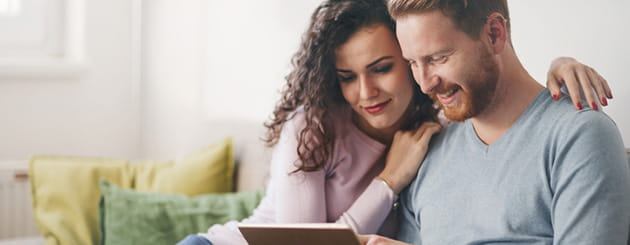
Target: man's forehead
(427,32)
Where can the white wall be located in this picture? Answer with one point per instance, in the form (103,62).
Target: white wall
(595,32)
(214,61)
(100,114)
(96,115)
(249,55)
(249,47)
(173,71)
(211,62)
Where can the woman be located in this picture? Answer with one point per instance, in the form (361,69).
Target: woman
(351,129)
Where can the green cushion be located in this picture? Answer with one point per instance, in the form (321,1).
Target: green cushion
(133,217)
(65,190)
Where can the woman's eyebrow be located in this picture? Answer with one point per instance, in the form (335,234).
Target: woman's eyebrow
(378,60)
(369,65)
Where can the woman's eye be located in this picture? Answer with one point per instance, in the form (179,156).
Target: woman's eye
(383,69)
(346,78)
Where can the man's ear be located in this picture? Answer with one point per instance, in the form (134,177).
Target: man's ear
(495,32)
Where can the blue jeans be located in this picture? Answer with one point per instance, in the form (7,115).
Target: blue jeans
(194,240)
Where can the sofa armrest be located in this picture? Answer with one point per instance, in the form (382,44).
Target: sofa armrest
(23,241)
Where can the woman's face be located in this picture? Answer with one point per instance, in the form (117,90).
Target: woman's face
(374,78)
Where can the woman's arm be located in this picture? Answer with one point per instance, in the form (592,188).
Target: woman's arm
(301,196)
(369,211)
(576,76)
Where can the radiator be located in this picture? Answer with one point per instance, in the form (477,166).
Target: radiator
(16,215)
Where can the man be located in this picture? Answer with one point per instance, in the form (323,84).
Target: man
(516,168)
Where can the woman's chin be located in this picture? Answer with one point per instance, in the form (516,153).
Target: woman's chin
(381,125)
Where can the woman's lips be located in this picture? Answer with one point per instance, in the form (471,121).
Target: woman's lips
(377,108)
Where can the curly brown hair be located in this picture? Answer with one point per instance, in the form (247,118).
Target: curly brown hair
(313,83)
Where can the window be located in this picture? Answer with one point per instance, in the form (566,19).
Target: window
(40,38)
(10,8)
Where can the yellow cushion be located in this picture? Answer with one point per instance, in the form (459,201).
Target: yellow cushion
(199,173)
(66,193)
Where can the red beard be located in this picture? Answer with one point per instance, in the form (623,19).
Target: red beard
(482,84)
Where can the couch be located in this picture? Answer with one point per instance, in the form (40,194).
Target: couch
(251,158)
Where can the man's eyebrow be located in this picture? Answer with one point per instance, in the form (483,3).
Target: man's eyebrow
(442,51)
(378,60)
(423,58)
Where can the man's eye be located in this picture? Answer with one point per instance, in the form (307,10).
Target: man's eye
(439,58)
(383,69)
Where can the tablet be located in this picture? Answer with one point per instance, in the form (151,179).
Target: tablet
(299,234)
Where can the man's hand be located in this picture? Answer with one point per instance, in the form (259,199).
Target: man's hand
(378,240)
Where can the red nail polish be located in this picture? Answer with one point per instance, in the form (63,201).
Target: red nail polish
(594,106)
(579,105)
(604,102)
(610,96)
(555,97)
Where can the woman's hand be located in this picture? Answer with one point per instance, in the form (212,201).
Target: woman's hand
(378,240)
(405,155)
(575,75)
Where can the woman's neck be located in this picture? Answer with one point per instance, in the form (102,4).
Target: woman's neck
(383,135)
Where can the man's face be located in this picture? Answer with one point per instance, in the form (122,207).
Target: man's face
(458,72)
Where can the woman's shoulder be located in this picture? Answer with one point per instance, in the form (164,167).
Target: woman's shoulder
(295,122)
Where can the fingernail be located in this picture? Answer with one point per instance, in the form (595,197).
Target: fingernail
(604,102)
(579,106)
(555,97)
(610,96)
(594,106)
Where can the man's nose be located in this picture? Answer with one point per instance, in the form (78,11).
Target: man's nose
(429,84)
(426,79)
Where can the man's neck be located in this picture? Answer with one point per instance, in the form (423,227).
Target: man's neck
(515,91)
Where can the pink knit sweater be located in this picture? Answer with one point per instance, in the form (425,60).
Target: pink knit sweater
(344,191)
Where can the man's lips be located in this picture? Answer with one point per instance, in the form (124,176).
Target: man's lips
(377,108)
(448,97)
